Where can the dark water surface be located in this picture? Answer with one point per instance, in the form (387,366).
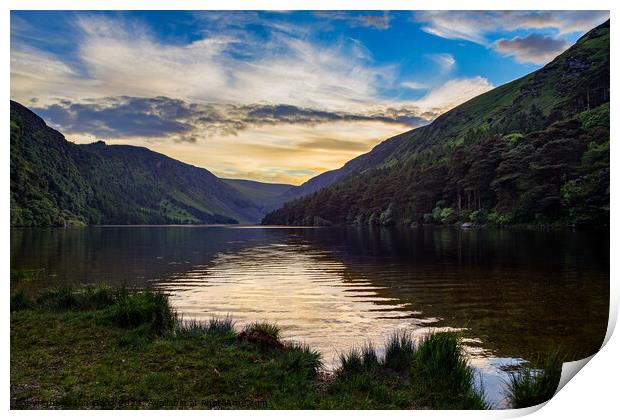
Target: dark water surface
(514,293)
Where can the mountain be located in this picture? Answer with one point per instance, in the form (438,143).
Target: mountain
(57,183)
(264,195)
(353,167)
(535,150)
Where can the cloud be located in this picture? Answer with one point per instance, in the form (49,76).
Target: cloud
(120,117)
(381,21)
(445,61)
(453,93)
(124,116)
(474,26)
(534,48)
(114,57)
(413,85)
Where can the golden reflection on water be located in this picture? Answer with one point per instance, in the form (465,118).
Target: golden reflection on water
(315,300)
(311,297)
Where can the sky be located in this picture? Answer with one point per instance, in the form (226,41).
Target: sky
(270,96)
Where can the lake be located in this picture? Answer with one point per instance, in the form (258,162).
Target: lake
(514,293)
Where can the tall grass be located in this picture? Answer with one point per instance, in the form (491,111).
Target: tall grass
(399,352)
(136,308)
(443,375)
(301,358)
(531,386)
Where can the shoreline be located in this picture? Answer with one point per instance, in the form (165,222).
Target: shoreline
(103,347)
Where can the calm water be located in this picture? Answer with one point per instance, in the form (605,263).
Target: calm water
(515,293)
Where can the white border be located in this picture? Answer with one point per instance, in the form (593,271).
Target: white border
(592,394)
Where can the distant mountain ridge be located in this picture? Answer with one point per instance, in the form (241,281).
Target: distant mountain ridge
(264,195)
(353,167)
(533,150)
(57,183)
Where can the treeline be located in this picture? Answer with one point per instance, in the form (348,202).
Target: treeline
(555,175)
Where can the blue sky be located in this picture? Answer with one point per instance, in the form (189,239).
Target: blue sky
(271,96)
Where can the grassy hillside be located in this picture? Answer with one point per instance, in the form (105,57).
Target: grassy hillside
(58,183)
(535,150)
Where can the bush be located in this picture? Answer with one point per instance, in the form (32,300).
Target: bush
(597,117)
(500,219)
(446,215)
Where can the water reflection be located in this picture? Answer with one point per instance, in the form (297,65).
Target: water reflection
(515,293)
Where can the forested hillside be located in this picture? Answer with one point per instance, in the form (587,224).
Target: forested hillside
(535,150)
(58,183)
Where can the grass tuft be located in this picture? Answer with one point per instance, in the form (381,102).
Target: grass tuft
(350,363)
(399,352)
(301,358)
(271,330)
(530,386)
(441,370)
(370,360)
(133,309)
(222,326)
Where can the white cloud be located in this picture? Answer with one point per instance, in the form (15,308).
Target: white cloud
(126,60)
(413,85)
(453,93)
(471,25)
(445,61)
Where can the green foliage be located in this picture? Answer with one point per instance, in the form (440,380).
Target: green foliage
(499,219)
(444,215)
(530,386)
(597,117)
(512,138)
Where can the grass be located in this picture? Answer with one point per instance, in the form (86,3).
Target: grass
(399,351)
(441,370)
(271,330)
(532,386)
(100,347)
